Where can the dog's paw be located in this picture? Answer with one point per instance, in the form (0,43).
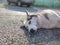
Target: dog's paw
(23,27)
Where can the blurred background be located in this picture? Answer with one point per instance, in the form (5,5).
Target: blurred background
(42,3)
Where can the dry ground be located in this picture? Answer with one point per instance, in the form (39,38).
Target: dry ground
(12,34)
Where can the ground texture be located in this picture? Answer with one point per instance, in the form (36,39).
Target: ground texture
(12,34)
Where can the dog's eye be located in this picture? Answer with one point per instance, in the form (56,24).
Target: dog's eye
(29,22)
(29,18)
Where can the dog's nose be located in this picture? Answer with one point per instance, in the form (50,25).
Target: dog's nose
(32,31)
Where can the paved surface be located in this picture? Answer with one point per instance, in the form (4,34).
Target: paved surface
(12,34)
(3,0)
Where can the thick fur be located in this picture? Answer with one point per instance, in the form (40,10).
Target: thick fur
(48,19)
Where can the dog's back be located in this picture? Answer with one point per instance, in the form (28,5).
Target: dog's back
(49,19)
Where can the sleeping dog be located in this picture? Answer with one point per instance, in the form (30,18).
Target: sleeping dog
(45,19)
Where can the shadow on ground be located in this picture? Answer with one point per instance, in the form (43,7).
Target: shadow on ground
(43,36)
(21,9)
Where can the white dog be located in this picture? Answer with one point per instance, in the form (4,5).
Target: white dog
(46,19)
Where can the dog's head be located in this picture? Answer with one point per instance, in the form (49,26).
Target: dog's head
(31,23)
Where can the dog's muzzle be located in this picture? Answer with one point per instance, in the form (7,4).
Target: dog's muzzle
(32,31)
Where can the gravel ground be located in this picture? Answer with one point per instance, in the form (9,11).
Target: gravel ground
(12,34)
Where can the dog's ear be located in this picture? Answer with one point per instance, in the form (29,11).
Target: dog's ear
(23,26)
(27,13)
